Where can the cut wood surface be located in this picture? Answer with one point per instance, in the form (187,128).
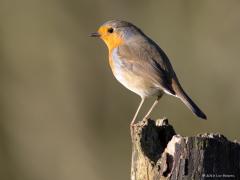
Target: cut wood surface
(159,153)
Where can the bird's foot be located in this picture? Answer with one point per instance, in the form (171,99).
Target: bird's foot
(162,121)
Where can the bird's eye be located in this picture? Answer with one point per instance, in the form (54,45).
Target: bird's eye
(110,30)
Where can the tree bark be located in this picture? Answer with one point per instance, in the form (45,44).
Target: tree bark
(159,153)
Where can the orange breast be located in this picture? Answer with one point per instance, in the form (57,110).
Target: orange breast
(112,44)
(113,41)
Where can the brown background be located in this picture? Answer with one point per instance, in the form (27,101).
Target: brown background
(64,116)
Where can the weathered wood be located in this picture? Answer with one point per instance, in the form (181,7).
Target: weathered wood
(159,153)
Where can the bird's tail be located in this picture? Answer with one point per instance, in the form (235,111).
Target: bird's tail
(189,102)
(191,105)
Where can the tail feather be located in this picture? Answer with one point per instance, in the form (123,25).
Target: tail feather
(192,106)
(187,100)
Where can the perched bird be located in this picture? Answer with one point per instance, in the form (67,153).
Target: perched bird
(141,65)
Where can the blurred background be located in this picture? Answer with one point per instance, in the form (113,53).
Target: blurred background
(64,116)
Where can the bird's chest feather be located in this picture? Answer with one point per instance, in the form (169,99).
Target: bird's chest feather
(119,67)
(124,73)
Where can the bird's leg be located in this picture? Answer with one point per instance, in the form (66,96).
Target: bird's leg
(138,109)
(152,107)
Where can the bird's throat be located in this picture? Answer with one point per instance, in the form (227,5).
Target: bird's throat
(113,42)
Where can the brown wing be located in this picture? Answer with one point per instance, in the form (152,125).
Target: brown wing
(145,58)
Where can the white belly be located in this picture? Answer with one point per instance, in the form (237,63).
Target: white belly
(136,84)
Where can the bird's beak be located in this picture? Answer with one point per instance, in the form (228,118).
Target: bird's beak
(95,34)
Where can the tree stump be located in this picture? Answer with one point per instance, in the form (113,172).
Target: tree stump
(159,153)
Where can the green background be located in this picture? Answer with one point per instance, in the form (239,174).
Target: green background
(63,114)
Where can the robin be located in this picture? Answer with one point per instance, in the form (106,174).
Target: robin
(141,65)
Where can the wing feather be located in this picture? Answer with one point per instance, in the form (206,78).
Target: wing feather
(148,59)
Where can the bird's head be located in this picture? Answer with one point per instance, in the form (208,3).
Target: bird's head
(116,32)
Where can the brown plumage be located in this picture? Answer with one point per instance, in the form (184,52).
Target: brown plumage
(141,65)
